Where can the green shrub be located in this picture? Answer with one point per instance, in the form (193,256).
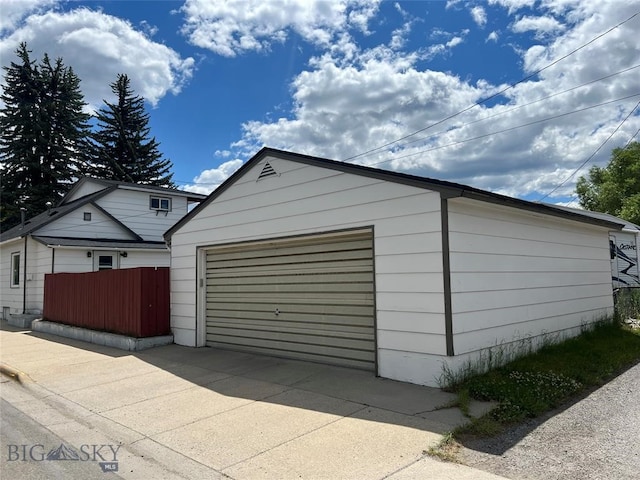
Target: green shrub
(627,303)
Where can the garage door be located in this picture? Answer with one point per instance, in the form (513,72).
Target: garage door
(310,298)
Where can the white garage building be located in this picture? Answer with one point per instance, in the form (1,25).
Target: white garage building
(303,257)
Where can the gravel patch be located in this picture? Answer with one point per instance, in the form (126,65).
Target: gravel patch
(597,437)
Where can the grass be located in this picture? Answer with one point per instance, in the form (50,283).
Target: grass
(540,381)
(536,383)
(545,377)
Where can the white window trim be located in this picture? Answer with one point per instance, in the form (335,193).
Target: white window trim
(160,199)
(14,255)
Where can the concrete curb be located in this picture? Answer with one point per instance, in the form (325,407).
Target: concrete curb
(11,372)
(121,342)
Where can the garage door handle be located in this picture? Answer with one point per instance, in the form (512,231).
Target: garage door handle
(277,312)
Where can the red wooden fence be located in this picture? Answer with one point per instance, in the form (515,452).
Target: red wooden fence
(132,301)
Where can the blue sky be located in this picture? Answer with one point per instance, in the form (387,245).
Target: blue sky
(340,78)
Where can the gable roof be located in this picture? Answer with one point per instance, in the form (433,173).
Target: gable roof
(604,216)
(446,189)
(35,223)
(192,197)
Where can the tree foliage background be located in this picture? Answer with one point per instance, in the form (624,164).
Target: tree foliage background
(46,139)
(122,149)
(614,189)
(43,135)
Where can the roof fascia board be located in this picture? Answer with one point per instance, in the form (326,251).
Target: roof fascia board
(505,201)
(81,182)
(446,189)
(70,207)
(215,194)
(158,191)
(105,247)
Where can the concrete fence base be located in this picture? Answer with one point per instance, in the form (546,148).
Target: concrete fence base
(22,321)
(121,342)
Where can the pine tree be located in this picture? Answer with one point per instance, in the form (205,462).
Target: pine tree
(122,148)
(43,135)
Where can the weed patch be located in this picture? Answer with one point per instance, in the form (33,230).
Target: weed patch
(538,382)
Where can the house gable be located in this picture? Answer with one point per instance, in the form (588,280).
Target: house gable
(133,208)
(84,186)
(87,221)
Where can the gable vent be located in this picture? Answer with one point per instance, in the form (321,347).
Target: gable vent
(267,171)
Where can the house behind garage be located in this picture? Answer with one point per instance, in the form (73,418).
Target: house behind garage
(99,224)
(309,258)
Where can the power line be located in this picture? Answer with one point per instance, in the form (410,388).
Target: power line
(506,129)
(594,153)
(484,100)
(524,104)
(632,137)
(575,195)
(191,182)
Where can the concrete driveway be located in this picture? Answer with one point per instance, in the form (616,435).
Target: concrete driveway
(179,412)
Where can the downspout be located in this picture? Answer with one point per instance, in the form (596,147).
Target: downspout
(446,275)
(24,278)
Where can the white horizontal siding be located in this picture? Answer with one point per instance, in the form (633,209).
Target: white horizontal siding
(11,297)
(85,189)
(146,258)
(308,199)
(71,260)
(73,225)
(38,263)
(516,274)
(132,209)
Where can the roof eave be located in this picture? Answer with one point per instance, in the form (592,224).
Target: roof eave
(445,188)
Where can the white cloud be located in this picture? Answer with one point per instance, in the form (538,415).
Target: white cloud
(570,204)
(209,180)
(493,36)
(351,100)
(14,11)
(542,26)
(232,27)
(479,15)
(98,47)
(513,5)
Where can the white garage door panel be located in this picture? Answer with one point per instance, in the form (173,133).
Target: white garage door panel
(310,298)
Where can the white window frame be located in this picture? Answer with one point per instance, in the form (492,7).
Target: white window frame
(160,200)
(15,269)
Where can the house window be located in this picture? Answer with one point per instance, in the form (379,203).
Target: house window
(105,262)
(160,203)
(87,216)
(15,269)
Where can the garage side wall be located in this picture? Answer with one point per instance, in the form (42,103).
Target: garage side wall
(303,199)
(518,275)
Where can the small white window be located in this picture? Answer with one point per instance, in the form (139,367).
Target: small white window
(15,269)
(87,216)
(105,262)
(160,203)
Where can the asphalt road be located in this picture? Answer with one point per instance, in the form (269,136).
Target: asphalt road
(26,445)
(597,437)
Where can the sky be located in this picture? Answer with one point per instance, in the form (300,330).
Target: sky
(518,97)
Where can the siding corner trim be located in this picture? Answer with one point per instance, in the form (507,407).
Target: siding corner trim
(446,276)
